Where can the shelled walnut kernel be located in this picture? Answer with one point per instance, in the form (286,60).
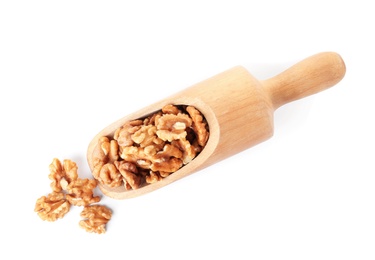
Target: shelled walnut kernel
(95,218)
(149,149)
(52,207)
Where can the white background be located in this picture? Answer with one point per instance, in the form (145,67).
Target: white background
(69,68)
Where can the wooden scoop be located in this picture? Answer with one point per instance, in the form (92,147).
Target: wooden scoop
(239,111)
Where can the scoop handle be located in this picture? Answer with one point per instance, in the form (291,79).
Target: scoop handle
(307,77)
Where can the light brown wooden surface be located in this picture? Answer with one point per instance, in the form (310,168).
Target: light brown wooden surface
(239,110)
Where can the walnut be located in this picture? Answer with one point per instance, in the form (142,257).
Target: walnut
(171,165)
(150,120)
(153,177)
(100,155)
(168,152)
(189,151)
(81,192)
(97,166)
(129,171)
(109,149)
(112,151)
(62,174)
(164,174)
(150,151)
(123,134)
(146,136)
(52,207)
(104,154)
(71,170)
(137,155)
(170,109)
(172,127)
(95,218)
(109,175)
(199,125)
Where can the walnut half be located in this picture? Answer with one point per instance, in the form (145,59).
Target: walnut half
(52,207)
(95,218)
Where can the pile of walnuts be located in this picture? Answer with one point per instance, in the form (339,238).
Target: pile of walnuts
(147,150)
(68,189)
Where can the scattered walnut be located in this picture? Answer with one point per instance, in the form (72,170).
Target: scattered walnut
(52,207)
(96,218)
(81,192)
(151,148)
(62,174)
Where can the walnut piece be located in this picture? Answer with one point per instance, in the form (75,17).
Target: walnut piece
(81,192)
(172,127)
(106,152)
(123,134)
(189,151)
(129,171)
(199,126)
(62,174)
(110,175)
(95,218)
(170,109)
(151,148)
(153,177)
(52,207)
